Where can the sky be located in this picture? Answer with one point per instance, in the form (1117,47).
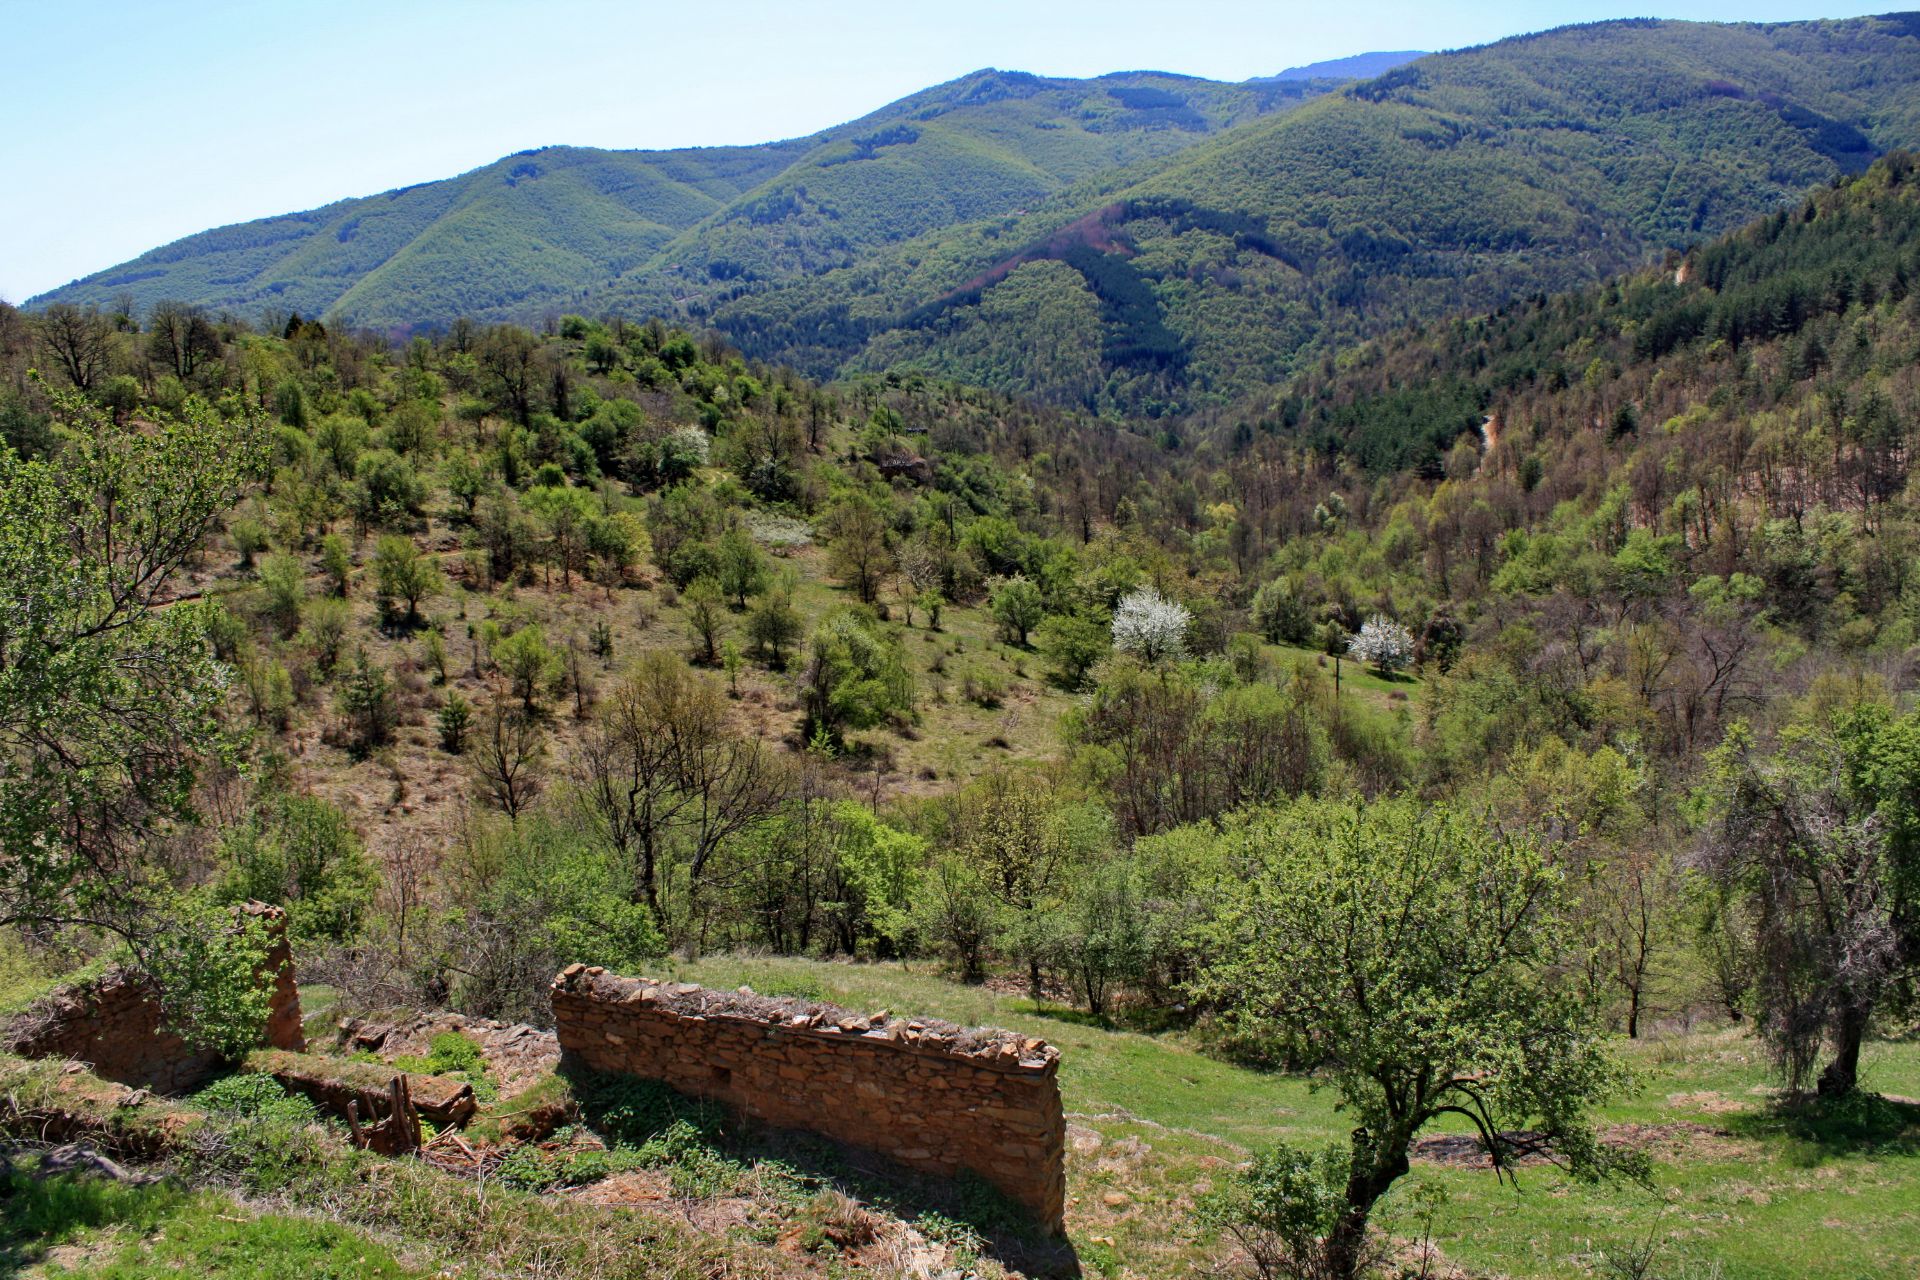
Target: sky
(130,123)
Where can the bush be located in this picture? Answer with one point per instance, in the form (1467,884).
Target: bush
(366,706)
(299,852)
(1282,1208)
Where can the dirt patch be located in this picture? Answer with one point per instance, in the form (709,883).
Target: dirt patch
(1673,1141)
(1712,1102)
(517,1055)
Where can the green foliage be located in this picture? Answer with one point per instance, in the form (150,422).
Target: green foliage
(452,721)
(1018,607)
(1412,952)
(742,570)
(531,897)
(283,581)
(206,962)
(853,678)
(1075,644)
(110,702)
(366,706)
(529,664)
(327,621)
(1822,837)
(1283,1209)
(403,575)
(254,1095)
(298,852)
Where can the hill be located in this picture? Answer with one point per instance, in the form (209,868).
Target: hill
(546,230)
(1359,66)
(1450,184)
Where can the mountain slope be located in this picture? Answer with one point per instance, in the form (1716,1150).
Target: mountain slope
(1452,183)
(560,218)
(1359,66)
(550,228)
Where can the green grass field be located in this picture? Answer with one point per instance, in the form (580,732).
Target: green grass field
(1738,1192)
(71,1228)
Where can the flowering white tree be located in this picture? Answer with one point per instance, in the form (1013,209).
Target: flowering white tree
(1384,643)
(1149,626)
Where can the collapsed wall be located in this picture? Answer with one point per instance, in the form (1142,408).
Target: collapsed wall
(115,1024)
(930,1095)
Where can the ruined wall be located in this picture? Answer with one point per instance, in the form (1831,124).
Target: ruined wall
(114,1024)
(930,1095)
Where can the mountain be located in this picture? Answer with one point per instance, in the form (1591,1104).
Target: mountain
(554,228)
(1140,242)
(1453,183)
(1359,66)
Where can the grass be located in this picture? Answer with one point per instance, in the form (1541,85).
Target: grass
(1354,676)
(72,1227)
(1154,1121)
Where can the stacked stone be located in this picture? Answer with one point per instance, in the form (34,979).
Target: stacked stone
(334,1082)
(116,1026)
(930,1095)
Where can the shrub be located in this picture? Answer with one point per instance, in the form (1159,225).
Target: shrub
(1282,1208)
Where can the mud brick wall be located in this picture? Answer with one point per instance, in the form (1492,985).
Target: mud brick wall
(932,1096)
(114,1023)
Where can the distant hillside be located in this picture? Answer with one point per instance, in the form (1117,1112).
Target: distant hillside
(1140,242)
(1359,66)
(555,228)
(1453,183)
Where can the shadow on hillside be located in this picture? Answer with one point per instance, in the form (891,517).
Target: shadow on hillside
(966,1212)
(1824,1128)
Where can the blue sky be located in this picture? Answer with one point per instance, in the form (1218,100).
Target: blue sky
(130,123)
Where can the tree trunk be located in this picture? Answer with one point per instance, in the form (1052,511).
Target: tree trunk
(1374,1171)
(1034,987)
(1843,1073)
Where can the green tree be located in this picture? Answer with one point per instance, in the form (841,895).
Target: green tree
(859,546)
(283,581)
(299,852)
(529,664)
(1821,836)
(1414,951)
(706,619)
(337,563)
(853,677)
(1074,644)
(1018,607)
(774,625)
(742,569)
(402,575)
(326,631)
(110,702)
(452,720)
(366,706)
(567,515)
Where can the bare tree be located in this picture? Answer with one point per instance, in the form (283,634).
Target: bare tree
(507,756)
(662,775)
(78,340)
(180,338)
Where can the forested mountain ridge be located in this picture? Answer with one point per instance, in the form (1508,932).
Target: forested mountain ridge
(1141,242)
(1452,183)
(545,230)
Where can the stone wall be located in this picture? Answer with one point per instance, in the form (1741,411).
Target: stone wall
(931,1096)
(115,1025)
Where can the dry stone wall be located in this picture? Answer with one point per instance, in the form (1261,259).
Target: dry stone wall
(930,1095)
(115,1025)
